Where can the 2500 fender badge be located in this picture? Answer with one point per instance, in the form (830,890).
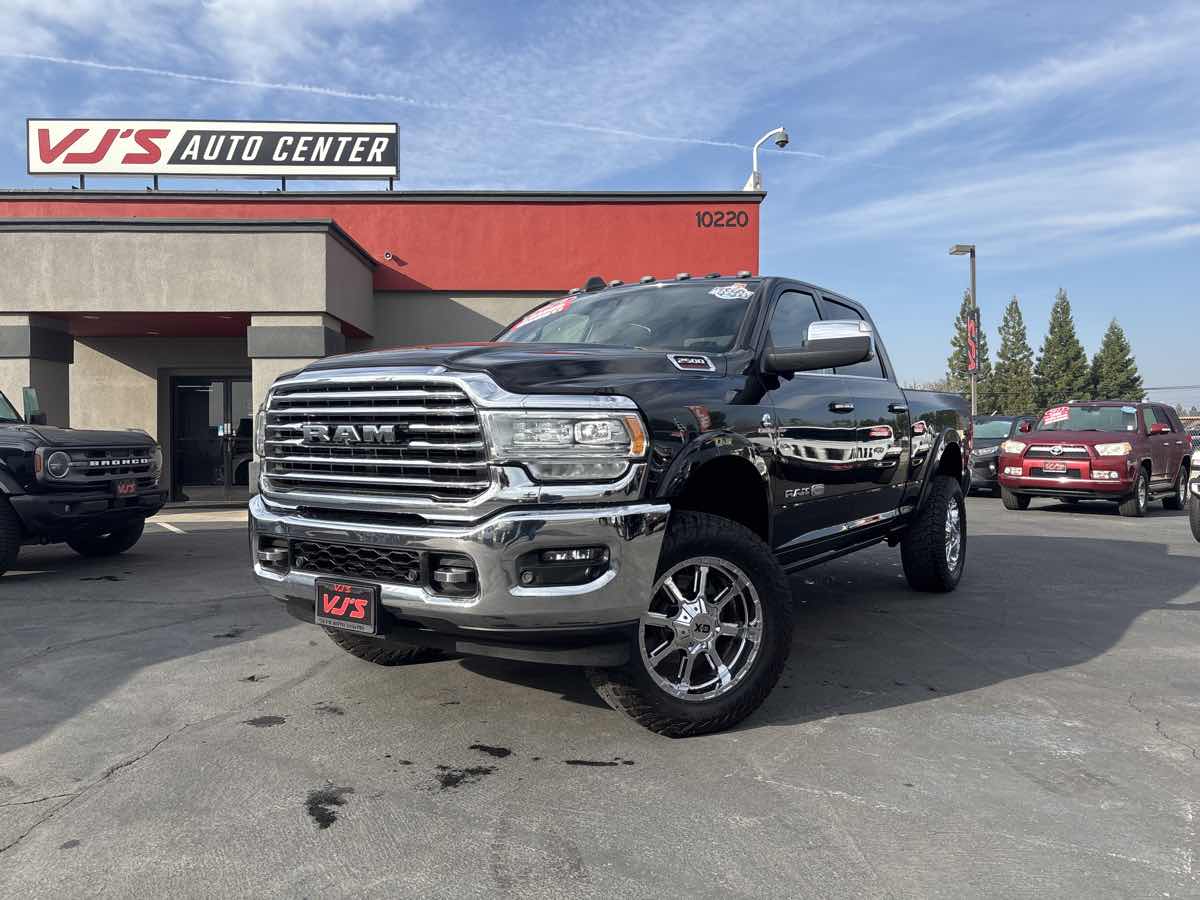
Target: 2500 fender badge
(687,362)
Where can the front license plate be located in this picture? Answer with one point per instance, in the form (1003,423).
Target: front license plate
(346,605)
(1056,468)
(125,488)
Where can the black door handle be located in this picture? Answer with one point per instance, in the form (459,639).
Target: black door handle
(897,407)
(841,406)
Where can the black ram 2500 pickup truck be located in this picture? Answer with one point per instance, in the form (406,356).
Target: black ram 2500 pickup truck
(623,479)
(91,489)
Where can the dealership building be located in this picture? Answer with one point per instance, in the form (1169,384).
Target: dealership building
(172,311)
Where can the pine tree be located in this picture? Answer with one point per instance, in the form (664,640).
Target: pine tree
(956,365)
(1114,371)
(1012,379)
(1062,372)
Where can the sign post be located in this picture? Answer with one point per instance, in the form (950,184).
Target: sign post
(973,338)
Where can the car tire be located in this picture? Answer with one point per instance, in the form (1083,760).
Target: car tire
(1013,500)
(382,653)
(1134,506)
(738,648)
(1194,517)
(934,548)
(1179,499)
(108,543)
(10,536)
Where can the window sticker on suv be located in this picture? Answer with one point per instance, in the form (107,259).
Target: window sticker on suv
(1056,414)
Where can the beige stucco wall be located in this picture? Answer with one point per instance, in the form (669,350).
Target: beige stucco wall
(438,317)
(181,271)
(51,380)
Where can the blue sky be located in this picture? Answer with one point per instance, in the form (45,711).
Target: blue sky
(1062,138)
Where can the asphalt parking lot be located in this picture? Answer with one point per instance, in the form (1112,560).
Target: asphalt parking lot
(168,730)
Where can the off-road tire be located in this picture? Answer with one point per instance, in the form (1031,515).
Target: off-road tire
(1134,506)
(10,536)
(1194,517)
(631,690)
(1178,499)
(924,547)
(108,543)
(1013,500)
(380,652)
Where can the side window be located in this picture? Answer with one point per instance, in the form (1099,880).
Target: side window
(1149,417)
(869,368)
(794,312)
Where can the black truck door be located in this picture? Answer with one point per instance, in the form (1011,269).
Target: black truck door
(882,418)
(840,438)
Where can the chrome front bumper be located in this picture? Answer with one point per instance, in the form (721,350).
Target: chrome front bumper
(633,534)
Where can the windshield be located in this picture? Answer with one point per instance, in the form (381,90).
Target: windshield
(8,412)
(1089,418)
(696,316)
(996,428)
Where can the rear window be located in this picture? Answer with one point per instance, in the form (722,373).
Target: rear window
(1089,418)
(997,428)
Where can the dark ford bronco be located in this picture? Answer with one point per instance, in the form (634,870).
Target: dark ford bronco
(623,479)
(91,489)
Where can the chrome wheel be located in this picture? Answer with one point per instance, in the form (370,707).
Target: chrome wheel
(1183,488)
(1143,492)
(953,535)
(703,630)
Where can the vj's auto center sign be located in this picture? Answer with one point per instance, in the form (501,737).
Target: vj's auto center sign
(240,149)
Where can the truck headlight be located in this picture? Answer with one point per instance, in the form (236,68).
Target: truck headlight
(260,433)
(156,461)
(1014,447)
(566,446)
(1123,448)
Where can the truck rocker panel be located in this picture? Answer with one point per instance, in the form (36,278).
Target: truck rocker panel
(622,479)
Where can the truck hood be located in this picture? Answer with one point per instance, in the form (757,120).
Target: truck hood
(49,436)
(532,368)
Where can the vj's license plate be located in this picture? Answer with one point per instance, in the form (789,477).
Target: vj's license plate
(1056,468)
(126,488)
(346,605)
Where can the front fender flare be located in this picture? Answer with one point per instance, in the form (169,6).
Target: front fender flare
(707,447)
(947,438)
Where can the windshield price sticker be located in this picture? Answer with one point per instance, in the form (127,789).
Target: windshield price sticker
(1056,414)
(737,291)
(550,309)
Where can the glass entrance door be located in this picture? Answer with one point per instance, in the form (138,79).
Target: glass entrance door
(213,423)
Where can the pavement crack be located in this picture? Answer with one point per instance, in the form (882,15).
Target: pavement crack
(1158,728)
(37,800)
(72,797)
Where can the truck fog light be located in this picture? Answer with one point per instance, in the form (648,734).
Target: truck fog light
(1012,470)
(562,566)
(58,464)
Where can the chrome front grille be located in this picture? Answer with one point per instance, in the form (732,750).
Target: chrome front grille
(399,440)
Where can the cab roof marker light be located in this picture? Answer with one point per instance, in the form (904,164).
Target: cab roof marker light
(574,291)
(616,282)
(683,276)
(743,273)
(646,279)
(713,275)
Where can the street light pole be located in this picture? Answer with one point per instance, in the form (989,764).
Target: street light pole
(964,250)
(974,312)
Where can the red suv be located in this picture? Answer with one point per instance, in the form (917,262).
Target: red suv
(1098,450)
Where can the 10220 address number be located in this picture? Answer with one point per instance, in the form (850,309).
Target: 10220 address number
(722,218)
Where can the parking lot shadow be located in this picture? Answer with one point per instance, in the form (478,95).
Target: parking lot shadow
(864,640)
(78,629)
